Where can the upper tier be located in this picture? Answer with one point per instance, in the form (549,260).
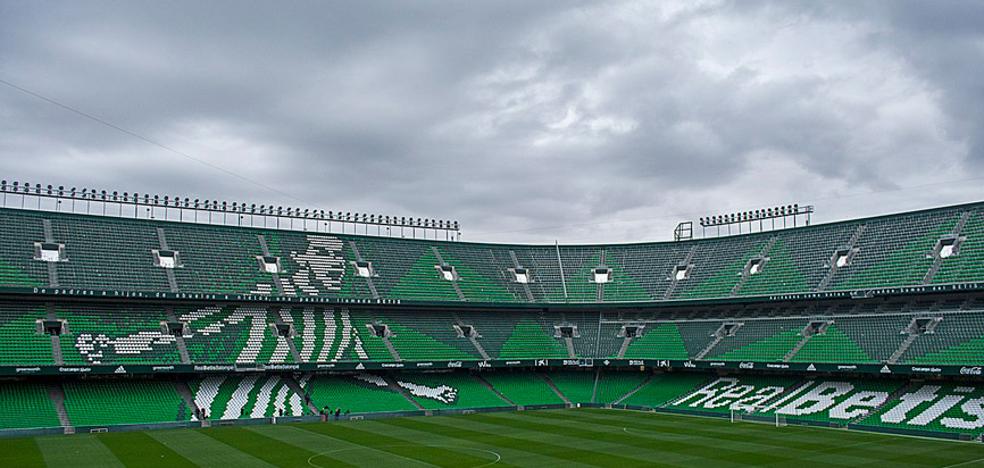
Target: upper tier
(118,254)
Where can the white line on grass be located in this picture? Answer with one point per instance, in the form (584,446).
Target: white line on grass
(964,463)
(804,426)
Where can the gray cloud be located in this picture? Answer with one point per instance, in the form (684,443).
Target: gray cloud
(527,121)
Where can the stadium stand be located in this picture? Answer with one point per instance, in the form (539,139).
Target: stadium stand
(103,403)
(361,393)
(523,388)
(264,322)
(26,405)
(117,254)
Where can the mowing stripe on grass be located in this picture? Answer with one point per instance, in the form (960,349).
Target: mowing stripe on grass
(76,451)
(687,437)
(206,451)
(339,449)
(509,456)
(740,437)
(821,444)
(721,453)
(20,452)
(421,451)
(267,449)
(809,440)
(675,431)
(139,449)
(457,428)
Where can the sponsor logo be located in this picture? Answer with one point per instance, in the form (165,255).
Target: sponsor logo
(162,368)
(777,366)
(607,362)
(746,365)
(927,370)
(325,366)
(716,364)
(847,367)
(541,362)
(689,364)
(215,368)
(970,371)
(454,364)
(508,363)
(120,370)
(386,365)
(811,367)
(282,366)
(485,364)
(359,366)
(73,370)
(27,370)
(885,370)
(571,362)
(428,364)
(661,363)
(635,362)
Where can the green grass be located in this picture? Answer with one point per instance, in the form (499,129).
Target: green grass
(585,437)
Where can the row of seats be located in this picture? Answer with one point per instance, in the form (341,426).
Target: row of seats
(112,253)
(243,397)
(109,334)
(917,407)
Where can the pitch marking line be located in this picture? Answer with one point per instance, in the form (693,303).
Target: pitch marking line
(310,459)
(964,463)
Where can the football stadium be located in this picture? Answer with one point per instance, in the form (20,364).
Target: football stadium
(195,335)
(509,233)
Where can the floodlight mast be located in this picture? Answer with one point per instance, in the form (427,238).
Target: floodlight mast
(113,203)
(788,214)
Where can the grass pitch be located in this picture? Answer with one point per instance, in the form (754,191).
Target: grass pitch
(586,437)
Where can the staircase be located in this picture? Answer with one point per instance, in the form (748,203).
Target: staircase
(744,274)
(179,341)
(56,351)
(556,390)
(266,253)
(938,261)
(489,386)
(570,348)
(892,397)
(526,287)
(369,281)
(625,347)
(52,266)
(786,395)
(703,352)
(172,281)
(57,395)
(796,348)
(645,382)
(295,386)
(478,347)
(673,280)
(898,353)
(457,289)
(855,238)
(293,349)
(594,391)
(392,350)
(402,391)
(186,395)
(600,291)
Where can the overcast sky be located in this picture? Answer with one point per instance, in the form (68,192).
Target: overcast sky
(527,121)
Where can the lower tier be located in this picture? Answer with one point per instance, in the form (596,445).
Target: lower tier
(948,408)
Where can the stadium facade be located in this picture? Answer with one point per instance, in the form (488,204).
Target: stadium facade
(109,322)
